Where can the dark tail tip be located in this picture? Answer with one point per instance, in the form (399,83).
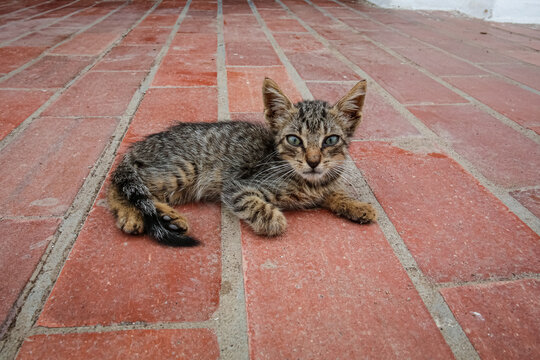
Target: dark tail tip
(167,237)
(178,240)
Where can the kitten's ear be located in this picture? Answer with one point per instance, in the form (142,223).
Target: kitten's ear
(349,108)
(277,106)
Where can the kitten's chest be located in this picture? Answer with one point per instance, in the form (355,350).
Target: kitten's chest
(297,196)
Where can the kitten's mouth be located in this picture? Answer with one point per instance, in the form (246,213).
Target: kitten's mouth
(313,174)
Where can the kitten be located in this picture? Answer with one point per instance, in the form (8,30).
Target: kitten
(256,171)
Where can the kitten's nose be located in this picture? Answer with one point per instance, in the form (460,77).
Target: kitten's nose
(313,163)
(313,158)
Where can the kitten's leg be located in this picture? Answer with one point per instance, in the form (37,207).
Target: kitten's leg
(352,209)
(263,217)
(171,218)
(128,218)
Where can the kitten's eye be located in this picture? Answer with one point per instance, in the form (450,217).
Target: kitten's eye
(331,140)
(294,140)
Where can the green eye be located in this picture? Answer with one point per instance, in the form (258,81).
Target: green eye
(331,140)
(294,140)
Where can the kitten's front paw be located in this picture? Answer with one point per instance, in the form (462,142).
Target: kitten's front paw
(360,212)
(130,221)
(273,227)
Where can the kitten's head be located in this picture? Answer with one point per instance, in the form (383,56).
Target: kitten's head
(313,135)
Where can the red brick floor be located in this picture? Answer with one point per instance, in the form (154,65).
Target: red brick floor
(449,152)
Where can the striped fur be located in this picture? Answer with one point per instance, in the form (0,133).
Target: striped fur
(257,171)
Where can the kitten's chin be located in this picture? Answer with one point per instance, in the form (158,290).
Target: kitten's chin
(313,176)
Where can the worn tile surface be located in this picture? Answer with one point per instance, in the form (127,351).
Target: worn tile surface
(448,146)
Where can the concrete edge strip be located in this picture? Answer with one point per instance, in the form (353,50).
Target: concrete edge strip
(231,316)
(443,317)
(47,271)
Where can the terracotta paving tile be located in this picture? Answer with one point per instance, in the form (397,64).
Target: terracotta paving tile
(87,43)
(141,36)
(338,294)
(501,154)
(48,72)
(161,108)
(193,23)
(530,199)
(12,57)
(361,24)
(154,283)
(254,117)
(235,9)
(159,20)
(439,63)
(45,38)
(380,120)
(518,104)
(250,53)
(98,94)
(245,87)
(335,31)
(530,57)
(34,161)
(194,44)
(284,25)
(320,65)
(23,243)
(132,58)
(203,5)
(17,105)
(234,21)
(130,344)
(187,70)
(409,85)
(500,319)
(394,40)
(342,12)
(453,227)
(298,43)
(525,74)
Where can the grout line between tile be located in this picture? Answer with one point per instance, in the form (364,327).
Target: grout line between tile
(182,87)
(23,125)
(25,8)
(442,315)
(35,15)
(502,118)
(295,77)
(7,42)
(40,330)
(48,50)
(231,316)
(438,309)
(489,281)
(36,291)
(502,194)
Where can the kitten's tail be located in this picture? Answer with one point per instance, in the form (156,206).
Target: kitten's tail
(130,186)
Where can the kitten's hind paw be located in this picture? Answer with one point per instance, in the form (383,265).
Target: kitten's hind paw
(179,224)
(171,219)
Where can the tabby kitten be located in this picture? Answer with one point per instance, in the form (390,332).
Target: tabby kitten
(256,171)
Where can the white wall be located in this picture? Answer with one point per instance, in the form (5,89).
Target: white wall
(518,11)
